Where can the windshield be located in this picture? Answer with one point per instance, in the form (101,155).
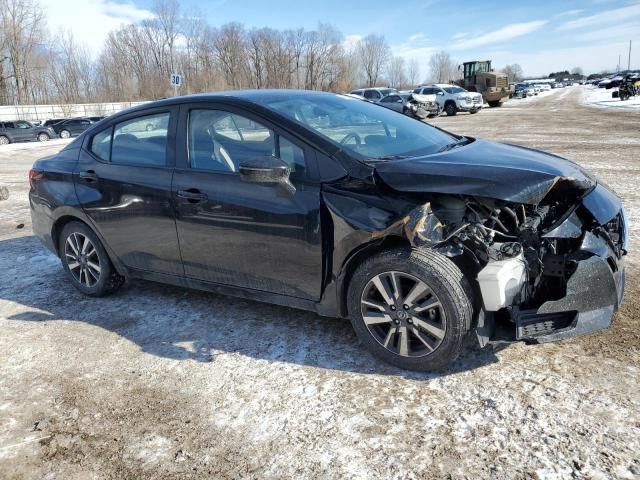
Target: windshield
(367,130)
(388,91)
(454,89)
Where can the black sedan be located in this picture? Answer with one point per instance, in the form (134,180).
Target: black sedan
(72,127)
(327,203)
(23,131)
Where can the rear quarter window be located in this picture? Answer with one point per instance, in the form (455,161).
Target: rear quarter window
(101,144)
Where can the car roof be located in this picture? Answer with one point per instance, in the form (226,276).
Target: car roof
(246,98)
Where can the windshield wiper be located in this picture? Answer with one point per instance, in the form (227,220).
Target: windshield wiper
(387,157)
(458,143)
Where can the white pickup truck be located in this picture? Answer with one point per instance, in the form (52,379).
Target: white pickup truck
(452,98)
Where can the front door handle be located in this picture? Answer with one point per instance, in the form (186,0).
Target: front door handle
(192,195)
(89,176)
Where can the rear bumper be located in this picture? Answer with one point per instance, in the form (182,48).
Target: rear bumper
(42,223)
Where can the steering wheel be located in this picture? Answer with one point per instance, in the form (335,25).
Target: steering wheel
(349,136)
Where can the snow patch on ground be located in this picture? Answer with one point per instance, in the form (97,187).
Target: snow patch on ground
(516,102)
(601,97)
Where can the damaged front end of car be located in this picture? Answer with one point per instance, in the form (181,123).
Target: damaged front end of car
(547,255)
(556,268)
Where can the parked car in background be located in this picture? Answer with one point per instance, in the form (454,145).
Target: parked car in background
(423,239)
(545,87)
(520,90)
(531,91)
(95,119)
(53,121)
(374,94)
(23,131)
(72,127)
(412,104)
(452,98)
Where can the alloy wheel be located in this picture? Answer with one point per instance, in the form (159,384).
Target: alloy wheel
(82,259)
(403,314)
(4,140)
(65,134)
(43,137)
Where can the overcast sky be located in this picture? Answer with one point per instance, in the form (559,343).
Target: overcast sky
(542,36)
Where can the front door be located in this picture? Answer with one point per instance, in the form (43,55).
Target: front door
(123,182)
(251,235)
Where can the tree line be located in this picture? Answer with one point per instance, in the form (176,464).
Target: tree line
(136,60)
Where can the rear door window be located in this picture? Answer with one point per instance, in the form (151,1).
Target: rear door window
(138,141)
(141,141)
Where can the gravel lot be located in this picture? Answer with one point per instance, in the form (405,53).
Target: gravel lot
(158,382)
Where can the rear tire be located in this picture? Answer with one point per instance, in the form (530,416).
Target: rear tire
(495,103)
(86,261)
(4,140)
(450,109)
(65,134)
(415,331)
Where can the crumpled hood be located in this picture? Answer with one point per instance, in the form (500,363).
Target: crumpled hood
(486,169)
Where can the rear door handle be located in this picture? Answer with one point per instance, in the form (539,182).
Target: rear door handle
(89,176)
(192,195)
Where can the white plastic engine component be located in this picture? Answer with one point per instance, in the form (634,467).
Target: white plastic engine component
(500,281)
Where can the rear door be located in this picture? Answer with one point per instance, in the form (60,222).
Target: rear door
(124,184)
(24,130)
(252,235)
(12,132)
(80,126)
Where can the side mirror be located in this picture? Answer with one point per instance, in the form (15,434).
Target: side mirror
(264,170)
(267,170)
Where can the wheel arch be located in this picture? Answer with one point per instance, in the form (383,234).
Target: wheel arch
(355,259)
(68,217)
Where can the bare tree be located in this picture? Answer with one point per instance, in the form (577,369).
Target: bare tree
(374,55)
(396,72)
(413,72)
(22,23)
(229,46)
(513,72)
(442,68)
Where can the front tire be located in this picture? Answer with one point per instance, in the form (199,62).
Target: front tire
(65,134)
(495,103)
(43,137)
(86,261)
(450,109)
(411,308)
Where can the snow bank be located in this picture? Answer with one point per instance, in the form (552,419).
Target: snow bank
(601,97)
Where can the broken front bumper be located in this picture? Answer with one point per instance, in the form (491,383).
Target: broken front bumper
(595,290)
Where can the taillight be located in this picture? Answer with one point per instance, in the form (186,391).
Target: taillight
(33,176)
